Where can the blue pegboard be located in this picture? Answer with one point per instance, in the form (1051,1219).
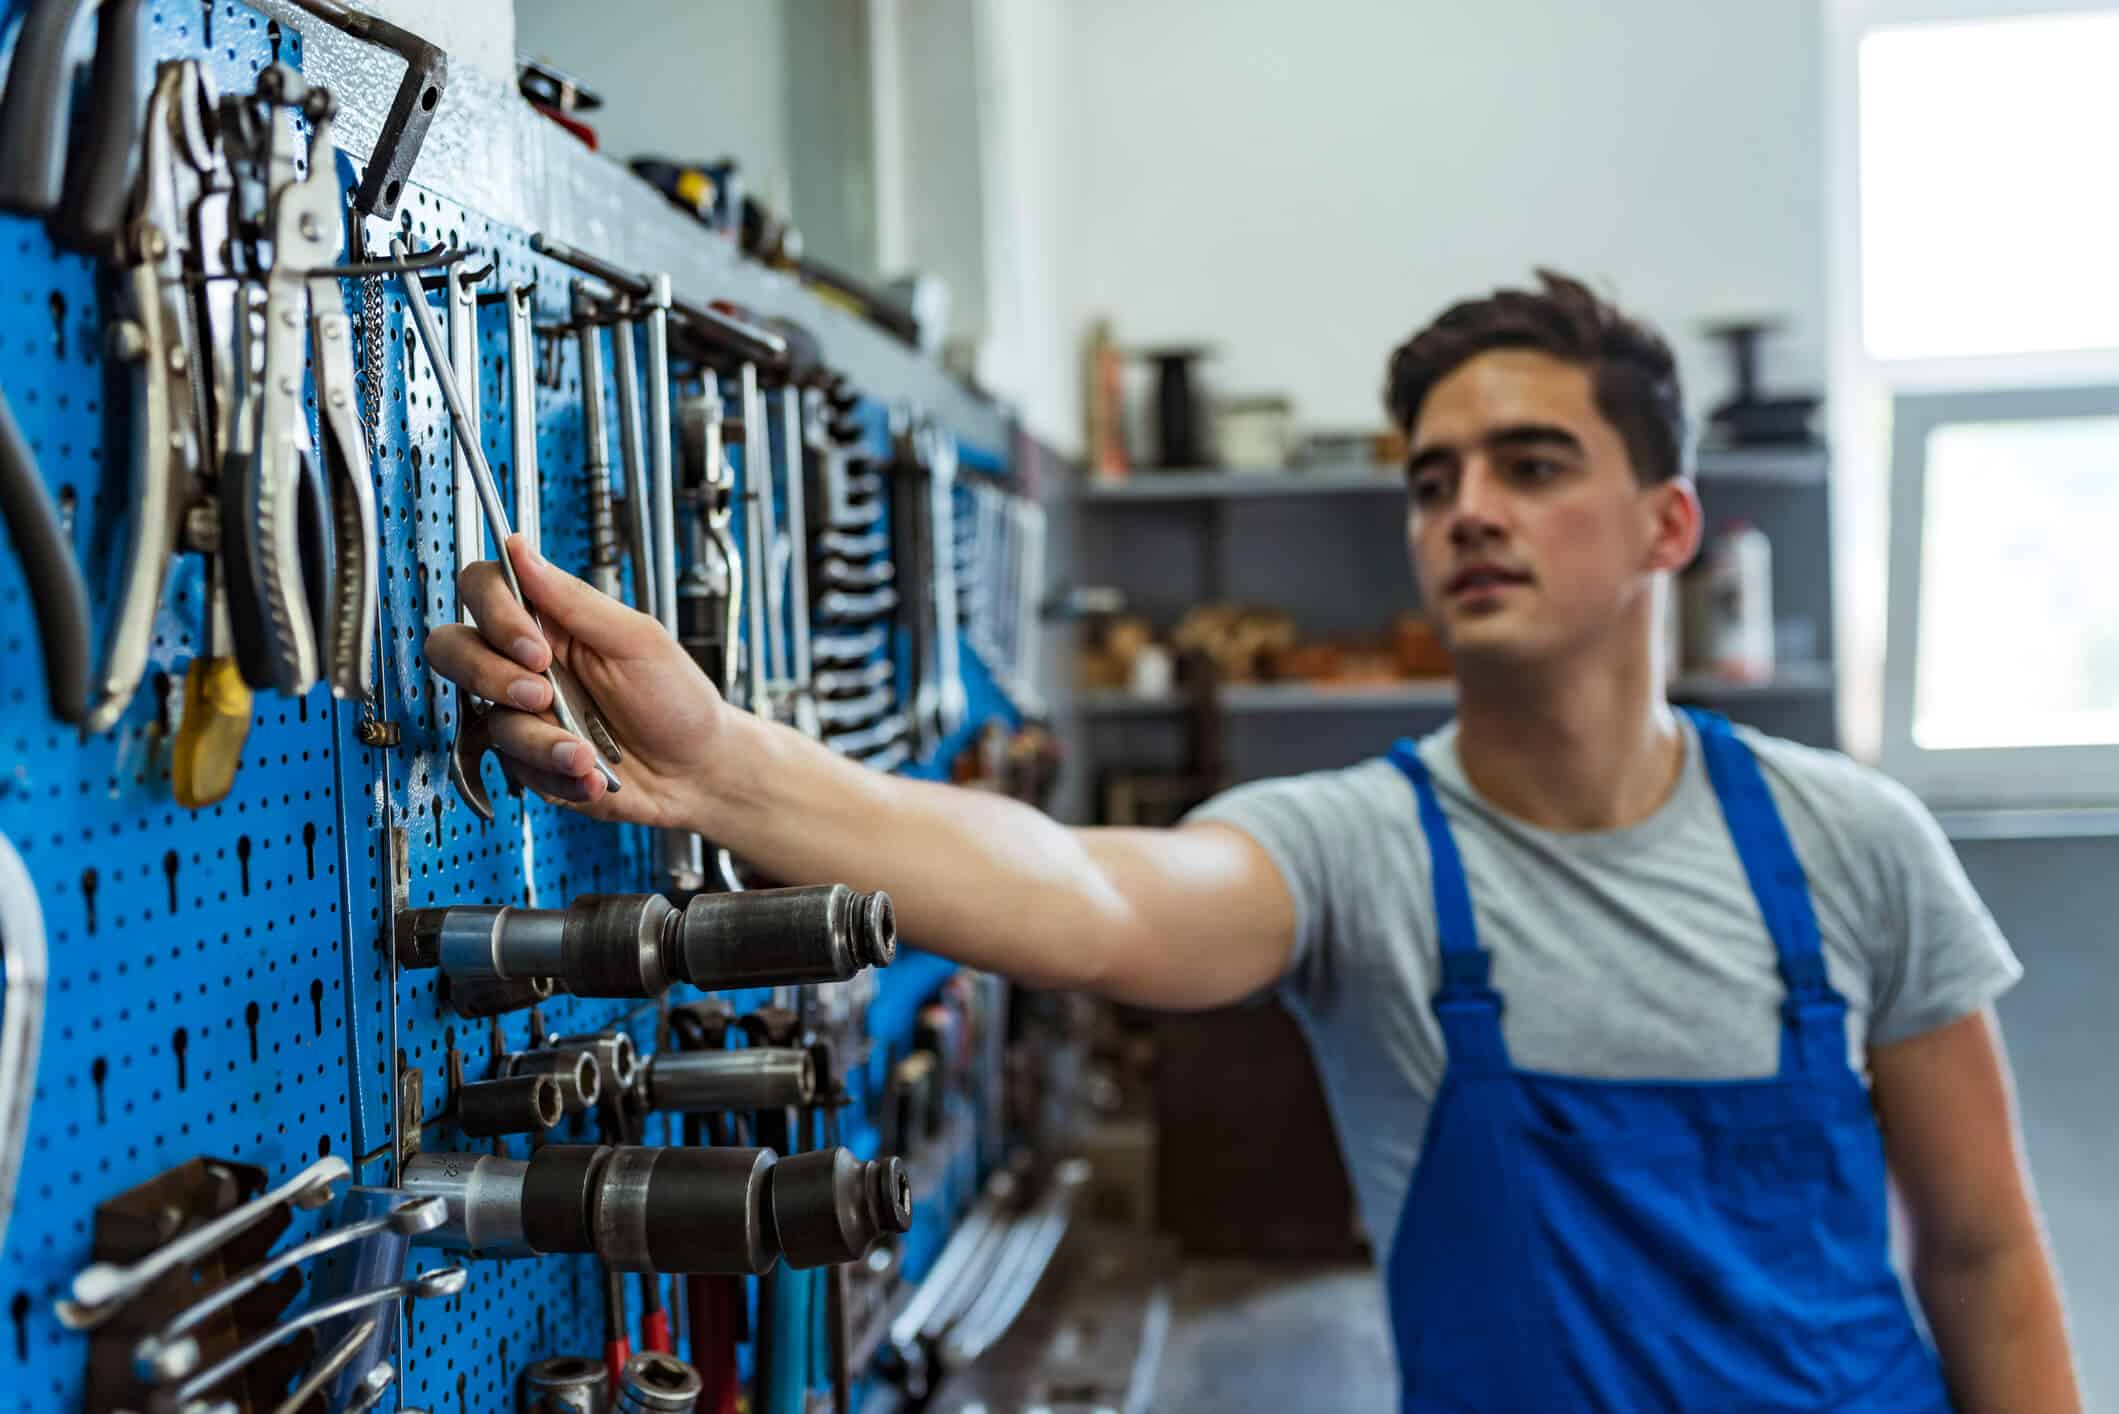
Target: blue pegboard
(221,981)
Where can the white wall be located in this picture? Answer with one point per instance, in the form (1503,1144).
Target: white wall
(1303,186)
(682,80)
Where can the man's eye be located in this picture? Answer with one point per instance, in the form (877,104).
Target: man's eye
(1535,468)
(1426,490)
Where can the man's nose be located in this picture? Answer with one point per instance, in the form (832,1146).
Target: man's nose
(1479,513)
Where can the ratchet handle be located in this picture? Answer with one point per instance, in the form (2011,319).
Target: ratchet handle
(99,172)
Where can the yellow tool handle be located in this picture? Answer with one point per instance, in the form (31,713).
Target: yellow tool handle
(210,739)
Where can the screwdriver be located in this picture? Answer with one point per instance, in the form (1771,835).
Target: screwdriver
(488,490)
(209,742)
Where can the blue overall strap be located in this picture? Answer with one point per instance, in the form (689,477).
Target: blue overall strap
(1815,1038)
(1466,1003)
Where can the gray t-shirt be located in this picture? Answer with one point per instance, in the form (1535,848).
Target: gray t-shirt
(1626,954)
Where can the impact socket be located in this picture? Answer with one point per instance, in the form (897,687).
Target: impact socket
(517,1104)
(686,1210)
(709,1082)
(653,1383)
(567,1384)
(578,1073)
(829,1206)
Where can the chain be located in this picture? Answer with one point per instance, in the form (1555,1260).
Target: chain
(372,337)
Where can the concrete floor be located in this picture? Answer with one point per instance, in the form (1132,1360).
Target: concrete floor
(1260,1338)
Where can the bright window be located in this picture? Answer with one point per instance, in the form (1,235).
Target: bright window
(2019,594)
(1989,211)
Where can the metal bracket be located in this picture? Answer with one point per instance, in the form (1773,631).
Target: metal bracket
(411,111)
(410,1107)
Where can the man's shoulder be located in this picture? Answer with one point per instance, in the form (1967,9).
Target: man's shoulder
(1841,794)
(1348,795)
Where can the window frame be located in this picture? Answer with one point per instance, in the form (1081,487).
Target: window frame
(1879,488)
(1972,776)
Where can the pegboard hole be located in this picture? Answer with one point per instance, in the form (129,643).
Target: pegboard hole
(309,844)
(242,854)
(250,1019)
(316,1003)
(97,1074)
(179,1043)
(88,898)
(18,1310)
(169,871)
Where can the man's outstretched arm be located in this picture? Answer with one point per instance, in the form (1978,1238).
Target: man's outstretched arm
(1190,917)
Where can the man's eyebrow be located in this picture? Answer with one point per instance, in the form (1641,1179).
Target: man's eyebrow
(1514,436)
(1533,434)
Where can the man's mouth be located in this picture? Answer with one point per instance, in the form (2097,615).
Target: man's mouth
(1481,579)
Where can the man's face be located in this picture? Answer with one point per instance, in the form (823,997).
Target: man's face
(1531,536)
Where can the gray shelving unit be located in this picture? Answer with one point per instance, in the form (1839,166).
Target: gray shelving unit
(1327,545)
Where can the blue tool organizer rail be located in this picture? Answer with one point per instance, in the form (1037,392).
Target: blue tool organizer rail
(221,979)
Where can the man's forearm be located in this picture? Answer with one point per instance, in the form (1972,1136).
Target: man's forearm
(977,877)
(1997,1322)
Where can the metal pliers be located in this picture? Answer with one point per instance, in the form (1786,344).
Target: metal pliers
(280,594)
(157,338)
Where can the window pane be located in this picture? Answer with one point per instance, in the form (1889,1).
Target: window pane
(2019,586)
(1988,204)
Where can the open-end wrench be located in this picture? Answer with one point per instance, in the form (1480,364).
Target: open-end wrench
(662,472)
(842,649)
(522,414)
(853,547)
(941,457)
(434,1285)
(842,713)
(844,682)
(326,1370)
(802,663)
(837,607)
(575,709)
(603,536)
(171,1353)
(632,455)
(100,1288)
(869,739)
(760,670)
(843,574)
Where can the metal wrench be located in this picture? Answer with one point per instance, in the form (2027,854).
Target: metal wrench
(522,379)
(100,1288)
(570,702)
(442,1282)
(603,535)
(802,662)
(171,1353)
(639,510)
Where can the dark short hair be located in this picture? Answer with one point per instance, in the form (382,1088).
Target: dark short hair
(1631,368)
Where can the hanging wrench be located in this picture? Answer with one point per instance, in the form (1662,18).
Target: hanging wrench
(184,1399)
(171,1353)
(803,662)
(522,377)
(603,535)
(571,703)
(648,588)
(100,1288)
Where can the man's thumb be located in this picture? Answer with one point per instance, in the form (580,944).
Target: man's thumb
(577,607)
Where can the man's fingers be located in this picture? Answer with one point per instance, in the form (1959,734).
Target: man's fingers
(461,654)
(539,745)
(565,790)
(501,621)
(578,607)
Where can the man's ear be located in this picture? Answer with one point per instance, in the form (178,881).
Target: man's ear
(1679,523)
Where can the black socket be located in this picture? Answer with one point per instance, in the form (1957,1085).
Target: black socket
(706,1211)
(558,1194)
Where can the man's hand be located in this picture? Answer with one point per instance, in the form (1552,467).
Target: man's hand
(663,712)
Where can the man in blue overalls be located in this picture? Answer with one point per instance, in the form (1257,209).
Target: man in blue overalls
(1622,1013)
